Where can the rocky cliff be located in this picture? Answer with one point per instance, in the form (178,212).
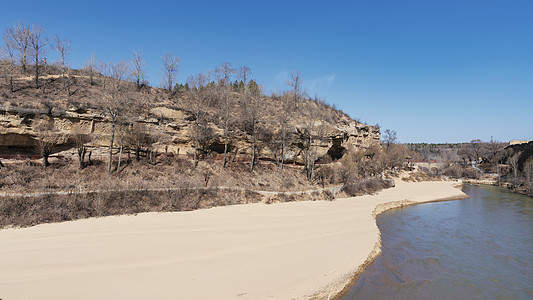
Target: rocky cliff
(18,133)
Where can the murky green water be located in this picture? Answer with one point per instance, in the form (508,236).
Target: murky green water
(477,248)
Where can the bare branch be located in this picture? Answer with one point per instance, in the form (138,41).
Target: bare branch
(17,38)
(37,42)
(138,67)
(169,70)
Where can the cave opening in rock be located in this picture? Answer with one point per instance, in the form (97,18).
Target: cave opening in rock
(336,151)
(217,147)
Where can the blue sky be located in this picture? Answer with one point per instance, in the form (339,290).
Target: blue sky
(434,71)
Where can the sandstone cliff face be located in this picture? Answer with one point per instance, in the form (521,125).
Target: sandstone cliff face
(174,128)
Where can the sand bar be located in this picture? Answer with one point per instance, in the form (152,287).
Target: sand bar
(296,250)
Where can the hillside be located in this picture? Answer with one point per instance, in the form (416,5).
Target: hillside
(169,118)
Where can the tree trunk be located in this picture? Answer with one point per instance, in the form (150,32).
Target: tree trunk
(196,142)
(46,154)
(37,69)
(137,153)
(225,148)
(307,163)
(282,151)
(68,85)
(235,155)
(312,171)
(253,147)
(119,159)
(81,156)
(111,145)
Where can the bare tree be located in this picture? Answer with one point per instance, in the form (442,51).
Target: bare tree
(7,57)
(495,151)
(104,72)
(250,101)
(80,139)
(477,147)
(224,72)
(287,109)
(62,47)
(17,38)
(138,68)
(115,100)
(47,137)
(243,75)
(226,96)
(389,137)
(314,132)
(169,70)
(296,84)
(528,171)
(139,138)
(197,102)
(37,42)
(90,67)
(513,162)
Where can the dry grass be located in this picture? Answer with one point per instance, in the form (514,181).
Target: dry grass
(31,177)
(420,176)
(366,186)
(28,211)
(139,187)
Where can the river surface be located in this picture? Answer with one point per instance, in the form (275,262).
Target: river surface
(476,248)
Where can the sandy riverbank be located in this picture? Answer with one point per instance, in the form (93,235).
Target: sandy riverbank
(256,251)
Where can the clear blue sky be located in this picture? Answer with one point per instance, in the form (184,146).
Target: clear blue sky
(434,71)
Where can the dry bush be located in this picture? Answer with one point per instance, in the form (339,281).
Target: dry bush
(28,211)
(366,186)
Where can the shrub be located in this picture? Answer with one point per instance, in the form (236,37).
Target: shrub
(366,186)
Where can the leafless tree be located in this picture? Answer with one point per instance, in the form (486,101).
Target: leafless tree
(138,68)
(139,138)
(477,147)
(104,72)
(90,67)
(296,84)
(494,151)
(314,132)
(224,72)
(169,70)
(47,137)
(17,37)
(62,47)
(243,74)
(80,138)
(197,102)
(226,96)
(513,162)
(389,137)
(38,42)
(251,108)
(528,171)
(7,57)
(287,110)
(115,100)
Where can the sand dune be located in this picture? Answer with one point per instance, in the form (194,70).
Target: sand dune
(255,251)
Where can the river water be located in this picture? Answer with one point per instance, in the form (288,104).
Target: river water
(476,248)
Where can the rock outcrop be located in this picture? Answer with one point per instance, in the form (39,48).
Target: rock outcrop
(174,127)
